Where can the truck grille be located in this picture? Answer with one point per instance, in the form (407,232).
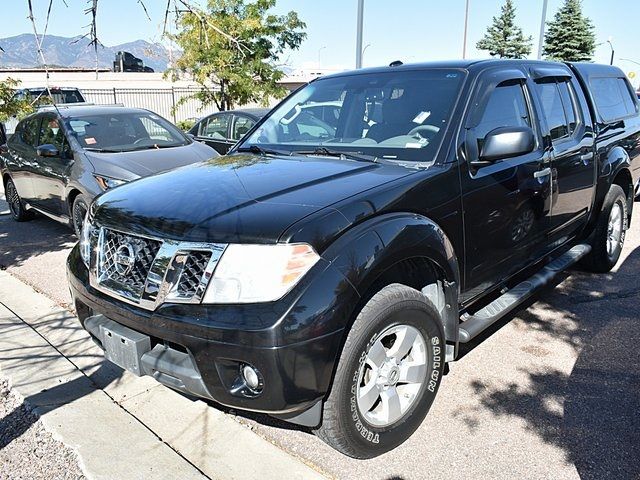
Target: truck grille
(192,273)
(144,253)
(148,271)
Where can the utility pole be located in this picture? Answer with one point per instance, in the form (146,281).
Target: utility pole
(464,35)
(543,22)
(359,34)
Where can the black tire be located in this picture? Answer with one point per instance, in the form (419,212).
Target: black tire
(16,205)
(344,426)
(602,258)
(78,212)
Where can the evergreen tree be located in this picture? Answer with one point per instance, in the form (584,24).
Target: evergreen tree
(570,36)
(504,38)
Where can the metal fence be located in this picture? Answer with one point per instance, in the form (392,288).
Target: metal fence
(159,100)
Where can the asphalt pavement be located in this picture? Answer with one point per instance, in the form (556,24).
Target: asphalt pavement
(552,391)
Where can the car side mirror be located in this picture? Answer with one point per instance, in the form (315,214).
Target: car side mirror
(47,150)
(505,142)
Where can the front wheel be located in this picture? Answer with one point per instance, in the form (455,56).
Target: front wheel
(78,212)
(388,374)
(608,237)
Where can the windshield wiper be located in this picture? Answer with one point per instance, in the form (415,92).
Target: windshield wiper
(102,150)
(324,151)
(260,150)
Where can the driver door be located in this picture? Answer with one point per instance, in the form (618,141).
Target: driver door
(506,202)
(50,176)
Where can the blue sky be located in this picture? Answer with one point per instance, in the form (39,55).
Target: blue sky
(409,30)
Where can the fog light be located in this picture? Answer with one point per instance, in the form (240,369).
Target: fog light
(251,377)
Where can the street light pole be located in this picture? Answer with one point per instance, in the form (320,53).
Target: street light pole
(359,34)
(542,25)
(612,51)
(464,35)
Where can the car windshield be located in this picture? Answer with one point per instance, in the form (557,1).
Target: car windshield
(124,132)
(42,97)
(396,115)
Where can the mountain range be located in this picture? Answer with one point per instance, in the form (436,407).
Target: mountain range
(20,51)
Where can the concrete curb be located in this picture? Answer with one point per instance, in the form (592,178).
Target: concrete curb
(120,425)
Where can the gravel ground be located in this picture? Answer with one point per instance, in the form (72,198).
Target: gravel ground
(34,453)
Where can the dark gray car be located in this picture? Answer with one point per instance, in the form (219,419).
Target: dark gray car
(60,158)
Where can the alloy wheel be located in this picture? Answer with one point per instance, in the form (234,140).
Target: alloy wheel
(13,199)
(614,228)
(392,375)
(79,212)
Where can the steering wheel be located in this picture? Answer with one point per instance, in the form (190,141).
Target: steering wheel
(140,140)
(424,131)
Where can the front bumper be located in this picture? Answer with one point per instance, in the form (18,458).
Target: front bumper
(293,343)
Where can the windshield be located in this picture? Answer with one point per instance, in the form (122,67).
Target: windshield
(124,132)
(395,115)
(42,97)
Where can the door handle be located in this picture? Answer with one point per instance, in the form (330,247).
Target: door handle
(542,173)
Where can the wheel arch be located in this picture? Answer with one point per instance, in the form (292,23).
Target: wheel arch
(71,196)
(401,248)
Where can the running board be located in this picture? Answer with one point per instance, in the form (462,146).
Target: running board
(474,324)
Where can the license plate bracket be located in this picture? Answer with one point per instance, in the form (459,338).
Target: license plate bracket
(124,346)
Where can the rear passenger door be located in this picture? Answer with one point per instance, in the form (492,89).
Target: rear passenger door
(23,162)
(569,129)
(506,203)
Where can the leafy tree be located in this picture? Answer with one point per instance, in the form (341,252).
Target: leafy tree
(504,38)
(231,49)
(570,36)
(10,105)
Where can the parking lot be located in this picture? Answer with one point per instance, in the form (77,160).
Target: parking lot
(552,391)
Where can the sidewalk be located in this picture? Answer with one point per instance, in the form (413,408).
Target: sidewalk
(121,426)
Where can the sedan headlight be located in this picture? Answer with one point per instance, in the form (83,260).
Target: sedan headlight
(85,240)
(107,183)
(258,273)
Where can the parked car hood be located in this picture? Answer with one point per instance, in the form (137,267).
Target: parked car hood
(141,163)
(237,198)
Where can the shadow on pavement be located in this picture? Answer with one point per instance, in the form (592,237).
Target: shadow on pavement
(592,413)
(20,241)
(95,373)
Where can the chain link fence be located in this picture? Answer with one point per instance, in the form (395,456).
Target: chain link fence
(159,100)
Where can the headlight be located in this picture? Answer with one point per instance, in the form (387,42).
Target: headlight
(107,183)
(85,240)
(258,273)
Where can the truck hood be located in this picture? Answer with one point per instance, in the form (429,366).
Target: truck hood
(132,165)
(237,198)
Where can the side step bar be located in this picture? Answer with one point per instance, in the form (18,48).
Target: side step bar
(474,324)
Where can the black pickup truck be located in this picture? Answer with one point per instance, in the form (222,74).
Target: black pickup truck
(326,270)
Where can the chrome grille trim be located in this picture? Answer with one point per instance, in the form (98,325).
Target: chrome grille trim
(166,278)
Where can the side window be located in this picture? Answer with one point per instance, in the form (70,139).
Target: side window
(51,133)
(628,96)
(609,95)
(553,109)
(30,132)
(507,107)
(241,126)
(215,127)
(571,109)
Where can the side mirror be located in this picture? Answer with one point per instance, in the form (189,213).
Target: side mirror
(505,142)
(47,150)
(191,136)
